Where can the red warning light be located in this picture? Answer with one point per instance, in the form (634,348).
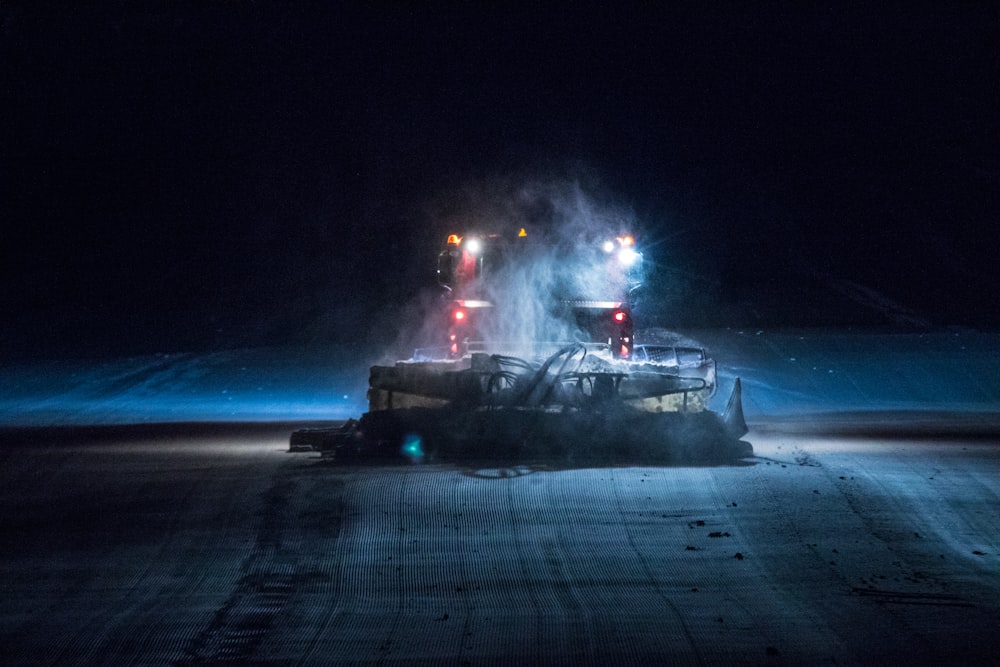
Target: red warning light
(619,316)
(459,315)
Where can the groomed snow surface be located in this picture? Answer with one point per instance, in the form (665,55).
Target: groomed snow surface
(785,374)
(146,521)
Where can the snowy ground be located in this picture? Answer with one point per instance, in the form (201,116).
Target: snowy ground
(256,385)
(817,371)
(785,374)
(162,521)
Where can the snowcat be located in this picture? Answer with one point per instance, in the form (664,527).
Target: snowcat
(535,361)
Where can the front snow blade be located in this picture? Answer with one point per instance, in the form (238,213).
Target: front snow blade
(732,418)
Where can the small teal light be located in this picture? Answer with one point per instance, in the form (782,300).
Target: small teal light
(413,447)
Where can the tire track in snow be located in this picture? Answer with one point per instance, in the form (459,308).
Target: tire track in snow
(139,636)
(353,618)
(561,552)
(466,585)
(130,542)
(831,515)
(914,502)
(601,572)
(502,566)
(507,623)
(272,577)
(525,521)
(628,504)
(773,515)
(383,568)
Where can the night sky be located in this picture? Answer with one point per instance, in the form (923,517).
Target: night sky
(178,176)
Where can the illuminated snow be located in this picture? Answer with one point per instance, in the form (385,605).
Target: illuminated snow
(784,374)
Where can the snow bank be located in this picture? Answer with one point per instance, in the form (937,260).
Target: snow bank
(820,372)
(785,374)
(263,384)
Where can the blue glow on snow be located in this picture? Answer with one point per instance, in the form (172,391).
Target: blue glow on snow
(783,373)
(258,385)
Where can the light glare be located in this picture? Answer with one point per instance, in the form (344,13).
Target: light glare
(627,256)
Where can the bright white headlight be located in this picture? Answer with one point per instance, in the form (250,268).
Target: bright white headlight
(627,256)
(473,246)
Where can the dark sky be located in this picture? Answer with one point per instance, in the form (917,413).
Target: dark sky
(214,174)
